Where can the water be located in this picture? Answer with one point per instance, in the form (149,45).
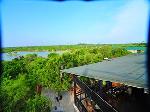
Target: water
(8,57)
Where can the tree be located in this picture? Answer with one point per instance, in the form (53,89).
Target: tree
(51,55)
(38,104)
(117,52)
(13,94)
(22,75)
(13,68)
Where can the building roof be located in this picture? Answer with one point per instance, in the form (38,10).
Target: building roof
(136,48)
(130,70)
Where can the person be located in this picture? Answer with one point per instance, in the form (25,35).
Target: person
(60,97)
(54,109)
(57,99)
(57,109)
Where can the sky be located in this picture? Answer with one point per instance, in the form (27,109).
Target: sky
(40,23)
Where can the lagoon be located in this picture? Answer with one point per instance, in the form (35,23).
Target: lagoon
(10,56)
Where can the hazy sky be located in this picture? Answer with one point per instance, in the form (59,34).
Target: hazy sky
(33,22)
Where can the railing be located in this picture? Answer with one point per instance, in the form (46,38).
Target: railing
(103,105)
(80,106)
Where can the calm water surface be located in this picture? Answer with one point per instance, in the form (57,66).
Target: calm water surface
(8,57)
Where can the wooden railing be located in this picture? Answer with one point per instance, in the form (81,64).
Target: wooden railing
(103,105)
(80,106)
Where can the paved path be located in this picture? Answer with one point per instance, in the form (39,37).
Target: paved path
(66,103)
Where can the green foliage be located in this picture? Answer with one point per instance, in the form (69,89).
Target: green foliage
(117,52)
(38,104)
(85,79)
(47,48)
(51,55)
(31,57)
(106,51)
(36,71)
(13,68)
(13,93)
(21,75)
(66,47)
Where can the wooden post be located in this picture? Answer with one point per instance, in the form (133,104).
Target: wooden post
(74,88)
(39,89)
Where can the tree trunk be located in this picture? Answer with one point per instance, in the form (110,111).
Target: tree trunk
(39,89)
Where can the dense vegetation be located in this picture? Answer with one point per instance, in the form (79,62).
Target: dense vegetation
(66,47)
(46,48)
(22,75)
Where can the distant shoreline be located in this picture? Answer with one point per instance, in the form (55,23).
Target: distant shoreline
(65,47)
